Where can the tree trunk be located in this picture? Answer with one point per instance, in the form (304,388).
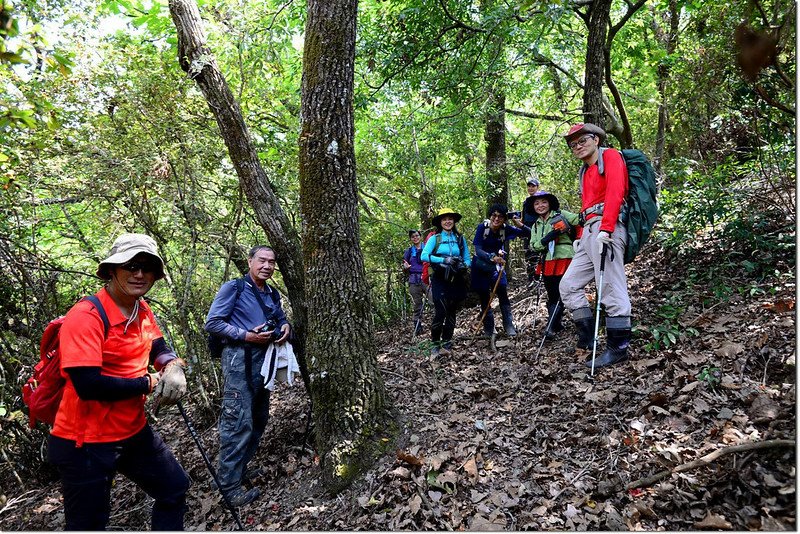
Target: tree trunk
(347,389)
(594,80)
(197,61)
(495,136)
(670,42)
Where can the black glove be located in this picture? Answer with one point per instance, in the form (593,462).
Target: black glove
(452,261)
(550,237)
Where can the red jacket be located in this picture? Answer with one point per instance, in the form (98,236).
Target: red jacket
(605,181)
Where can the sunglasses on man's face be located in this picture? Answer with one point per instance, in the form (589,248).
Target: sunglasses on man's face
(134,266)
(580,142)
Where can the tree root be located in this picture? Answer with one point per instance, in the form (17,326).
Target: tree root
(710,457)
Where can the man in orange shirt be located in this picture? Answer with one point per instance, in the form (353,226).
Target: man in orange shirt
(604,186)
(100,428)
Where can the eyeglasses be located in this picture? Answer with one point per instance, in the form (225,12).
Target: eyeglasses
(580,142)
(497,216)
(133,266)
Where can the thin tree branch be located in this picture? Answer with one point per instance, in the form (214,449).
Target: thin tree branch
(459,23)
(771,101)
(529,115)
(710,457)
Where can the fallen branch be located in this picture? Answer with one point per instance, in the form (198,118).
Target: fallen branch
(710,457)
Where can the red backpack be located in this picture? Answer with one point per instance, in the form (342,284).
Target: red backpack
(426,276)
(42,392)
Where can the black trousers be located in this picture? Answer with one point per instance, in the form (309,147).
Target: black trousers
(88,471)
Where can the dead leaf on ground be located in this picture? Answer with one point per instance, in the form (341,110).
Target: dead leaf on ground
(714,522)
(780,306)
(471,468)
(763,409)
(409,458)
(729,350)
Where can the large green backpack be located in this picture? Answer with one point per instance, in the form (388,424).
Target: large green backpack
(641,206)
(641,203)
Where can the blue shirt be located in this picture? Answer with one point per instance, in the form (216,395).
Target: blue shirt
(232,317)
(447,247)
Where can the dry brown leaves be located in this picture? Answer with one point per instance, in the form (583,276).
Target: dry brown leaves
(497,441)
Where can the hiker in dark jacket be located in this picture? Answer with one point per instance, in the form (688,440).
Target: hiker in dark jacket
(528,217)
(490,241)
(604,186)
(551,240)
(241,318)
(412,264)
(100,427)
(448,254)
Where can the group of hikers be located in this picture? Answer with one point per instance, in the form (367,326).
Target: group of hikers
(565,250)
(110,340)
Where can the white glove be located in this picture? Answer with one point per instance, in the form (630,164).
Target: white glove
(603,238)
(172,385)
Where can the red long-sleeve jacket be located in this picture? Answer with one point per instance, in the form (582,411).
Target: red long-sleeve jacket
(606,181)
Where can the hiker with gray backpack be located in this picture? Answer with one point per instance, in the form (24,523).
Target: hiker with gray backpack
(618,211)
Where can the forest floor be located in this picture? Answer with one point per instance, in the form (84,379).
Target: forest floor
(505,441)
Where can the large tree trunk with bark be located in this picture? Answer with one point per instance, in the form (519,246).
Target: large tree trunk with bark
(495,137)
(669,40)
(198,62)
(350,408)
(594,80)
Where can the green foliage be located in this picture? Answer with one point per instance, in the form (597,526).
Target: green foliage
(667,330)
(101,132)
(711,376)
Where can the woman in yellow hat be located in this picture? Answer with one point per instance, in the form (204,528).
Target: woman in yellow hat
(449,256)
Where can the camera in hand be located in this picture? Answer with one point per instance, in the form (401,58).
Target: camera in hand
(271,326)
(514,214)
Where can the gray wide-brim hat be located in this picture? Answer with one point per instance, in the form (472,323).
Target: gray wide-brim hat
(125,248)
(584,128)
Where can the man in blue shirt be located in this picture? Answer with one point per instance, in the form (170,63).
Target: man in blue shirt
(248,320)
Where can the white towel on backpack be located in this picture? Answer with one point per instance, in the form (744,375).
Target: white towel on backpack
(285,366)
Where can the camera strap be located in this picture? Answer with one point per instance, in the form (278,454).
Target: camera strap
(260,301)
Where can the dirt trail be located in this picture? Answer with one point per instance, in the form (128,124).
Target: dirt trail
(498,441)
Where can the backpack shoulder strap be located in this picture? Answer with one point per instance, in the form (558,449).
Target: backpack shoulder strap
(438,242)
(101,311)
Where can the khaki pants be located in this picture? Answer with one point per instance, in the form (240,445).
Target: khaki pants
(417,292)
(585,266)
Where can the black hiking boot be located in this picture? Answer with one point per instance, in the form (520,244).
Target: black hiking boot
(508,321)
(555,313)
(585,329)
(617,342)
(240,497)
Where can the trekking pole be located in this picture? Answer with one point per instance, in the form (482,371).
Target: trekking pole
(544,336)
(597,313)
(491,297)
(210,467)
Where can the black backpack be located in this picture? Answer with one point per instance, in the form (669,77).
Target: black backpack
(214,342)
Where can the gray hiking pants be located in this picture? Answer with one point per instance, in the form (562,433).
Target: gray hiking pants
(585,266)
